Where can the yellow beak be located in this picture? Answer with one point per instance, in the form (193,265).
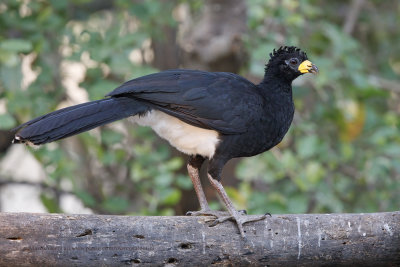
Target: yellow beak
(307,67)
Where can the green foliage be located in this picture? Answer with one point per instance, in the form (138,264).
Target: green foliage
(54,32)
(341,154)
(50,203)
(7,121)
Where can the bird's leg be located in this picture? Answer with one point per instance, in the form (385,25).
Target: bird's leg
(239,216)
(193,167)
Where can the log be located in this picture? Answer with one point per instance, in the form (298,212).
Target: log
(28,239)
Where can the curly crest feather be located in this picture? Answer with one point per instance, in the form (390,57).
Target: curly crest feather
(285,50)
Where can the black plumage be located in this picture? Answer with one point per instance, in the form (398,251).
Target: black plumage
(76,119)
(246,119)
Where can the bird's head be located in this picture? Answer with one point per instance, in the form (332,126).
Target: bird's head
(289,62)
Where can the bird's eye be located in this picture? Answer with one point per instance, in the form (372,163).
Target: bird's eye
(293,61)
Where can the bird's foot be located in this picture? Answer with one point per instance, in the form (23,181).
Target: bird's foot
(208,212)
(240,218)
(215,213)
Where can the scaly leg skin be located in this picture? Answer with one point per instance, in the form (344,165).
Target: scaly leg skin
(239,216)
(193,167)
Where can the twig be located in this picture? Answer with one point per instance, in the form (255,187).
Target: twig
(352,16)
(389,85)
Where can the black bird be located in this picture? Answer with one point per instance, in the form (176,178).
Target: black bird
(207,115)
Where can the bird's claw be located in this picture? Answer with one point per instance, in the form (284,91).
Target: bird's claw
(240,218)
(243,211)
(214,213)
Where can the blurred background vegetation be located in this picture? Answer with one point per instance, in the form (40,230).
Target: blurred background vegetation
(340,155)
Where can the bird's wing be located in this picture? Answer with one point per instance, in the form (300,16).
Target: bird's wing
(221,101)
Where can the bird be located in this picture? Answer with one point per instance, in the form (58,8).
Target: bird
(214,116)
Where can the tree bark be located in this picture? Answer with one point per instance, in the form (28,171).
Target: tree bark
(214,42)
(28,239)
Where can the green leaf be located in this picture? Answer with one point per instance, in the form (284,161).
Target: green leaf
(298,203)
(86,198)
(6,121)
(314,172)
(16,45)
(110,137)
(173,197)
(184,182)
(11,76)
(50,203)
(116,204)
(174,164)
(307,146)
(101,88)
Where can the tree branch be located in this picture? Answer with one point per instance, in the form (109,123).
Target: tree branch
(281,240)
(352,16)
(388,85)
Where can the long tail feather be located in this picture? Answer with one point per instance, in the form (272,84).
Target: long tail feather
(76,119)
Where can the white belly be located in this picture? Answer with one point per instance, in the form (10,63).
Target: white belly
(184,137)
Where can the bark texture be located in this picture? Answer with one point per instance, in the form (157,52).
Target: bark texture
(214,41)
(281,240)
